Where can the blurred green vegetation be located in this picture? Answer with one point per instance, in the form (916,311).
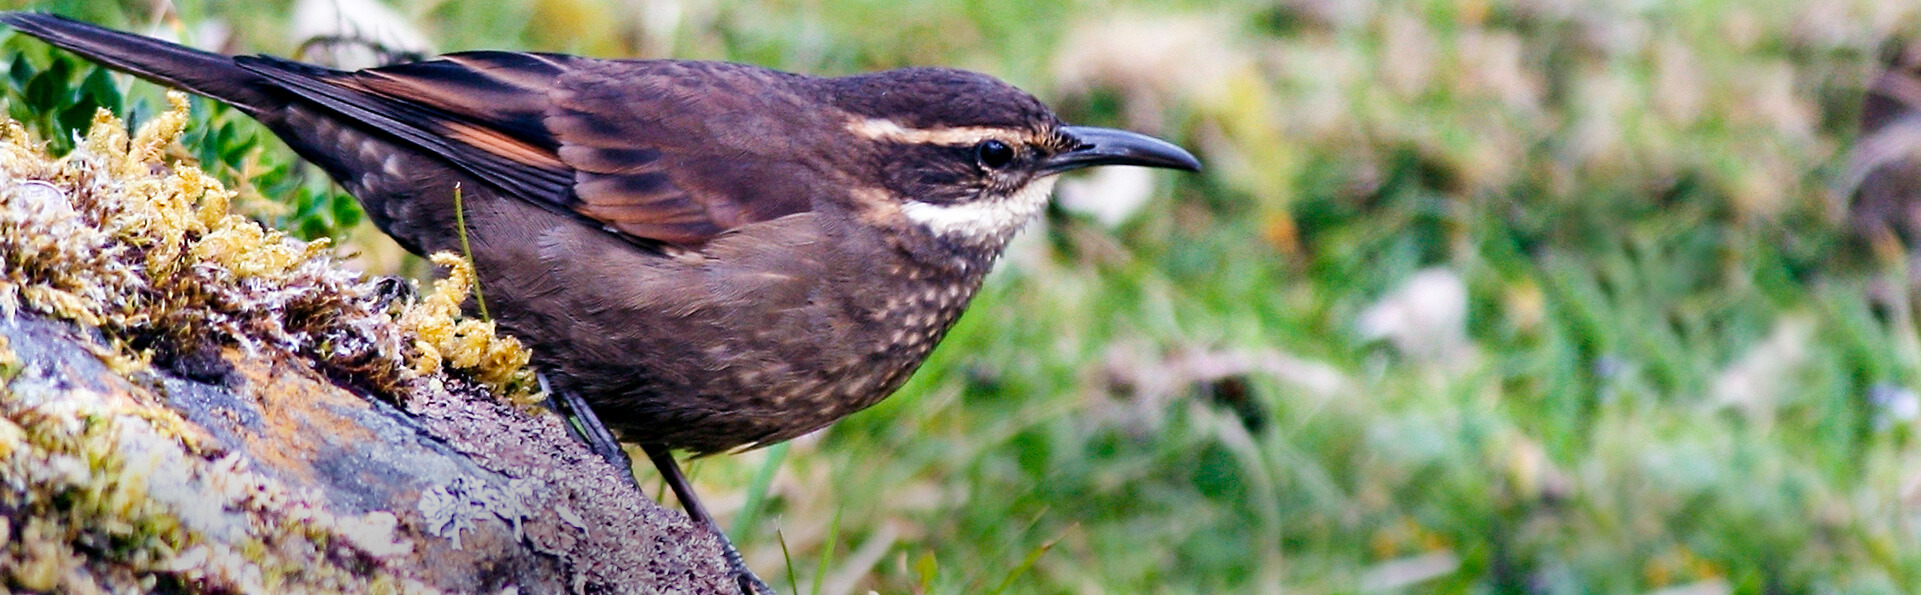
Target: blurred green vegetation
(1677,368)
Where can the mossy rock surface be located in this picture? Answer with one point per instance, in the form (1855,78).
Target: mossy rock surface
(190,402)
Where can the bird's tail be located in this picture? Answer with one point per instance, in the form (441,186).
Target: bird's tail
(172,64)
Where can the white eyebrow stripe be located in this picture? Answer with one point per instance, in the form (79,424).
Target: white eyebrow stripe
(889,130)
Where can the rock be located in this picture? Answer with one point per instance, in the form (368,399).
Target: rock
(192,402)
(278,478)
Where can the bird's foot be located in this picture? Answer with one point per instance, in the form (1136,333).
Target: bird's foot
(749,583)
(587,428)
(744,577)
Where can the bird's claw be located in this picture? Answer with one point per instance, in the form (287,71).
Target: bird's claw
(749,583)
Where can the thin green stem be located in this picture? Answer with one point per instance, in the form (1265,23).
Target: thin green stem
(467,252)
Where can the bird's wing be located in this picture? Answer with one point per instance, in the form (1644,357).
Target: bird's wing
(636,147)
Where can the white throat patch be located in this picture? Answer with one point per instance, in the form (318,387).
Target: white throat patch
(986,219)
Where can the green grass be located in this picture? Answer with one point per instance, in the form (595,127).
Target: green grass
(1636,197)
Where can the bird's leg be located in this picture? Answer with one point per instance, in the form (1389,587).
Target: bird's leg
(587,427)
(664,461)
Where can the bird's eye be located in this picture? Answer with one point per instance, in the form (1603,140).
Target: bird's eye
(993,154)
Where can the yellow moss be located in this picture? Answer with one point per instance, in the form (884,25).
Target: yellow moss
(156,250)
(444,339)
(115,237)
(120,359)
(12,439)
(44,560)
(8,359)
(150,145)
(169,424)
(62,303)
(246,250)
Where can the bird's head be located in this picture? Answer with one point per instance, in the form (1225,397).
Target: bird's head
(971,159)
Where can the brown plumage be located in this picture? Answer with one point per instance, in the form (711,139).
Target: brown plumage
(712,255)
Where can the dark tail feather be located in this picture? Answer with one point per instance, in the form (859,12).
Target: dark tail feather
(171,64)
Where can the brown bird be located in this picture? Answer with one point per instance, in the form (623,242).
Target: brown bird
(713,256)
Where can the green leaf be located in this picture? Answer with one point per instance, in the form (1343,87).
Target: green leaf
(99,87)
(48,90)
(233,144)
(1027,563)
(77,117)
(793,581)
(347,214)
(312,228)
(928,570)
(757,491)
(20,71)
(827,557)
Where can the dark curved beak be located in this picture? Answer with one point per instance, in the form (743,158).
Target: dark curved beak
(1107,146)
